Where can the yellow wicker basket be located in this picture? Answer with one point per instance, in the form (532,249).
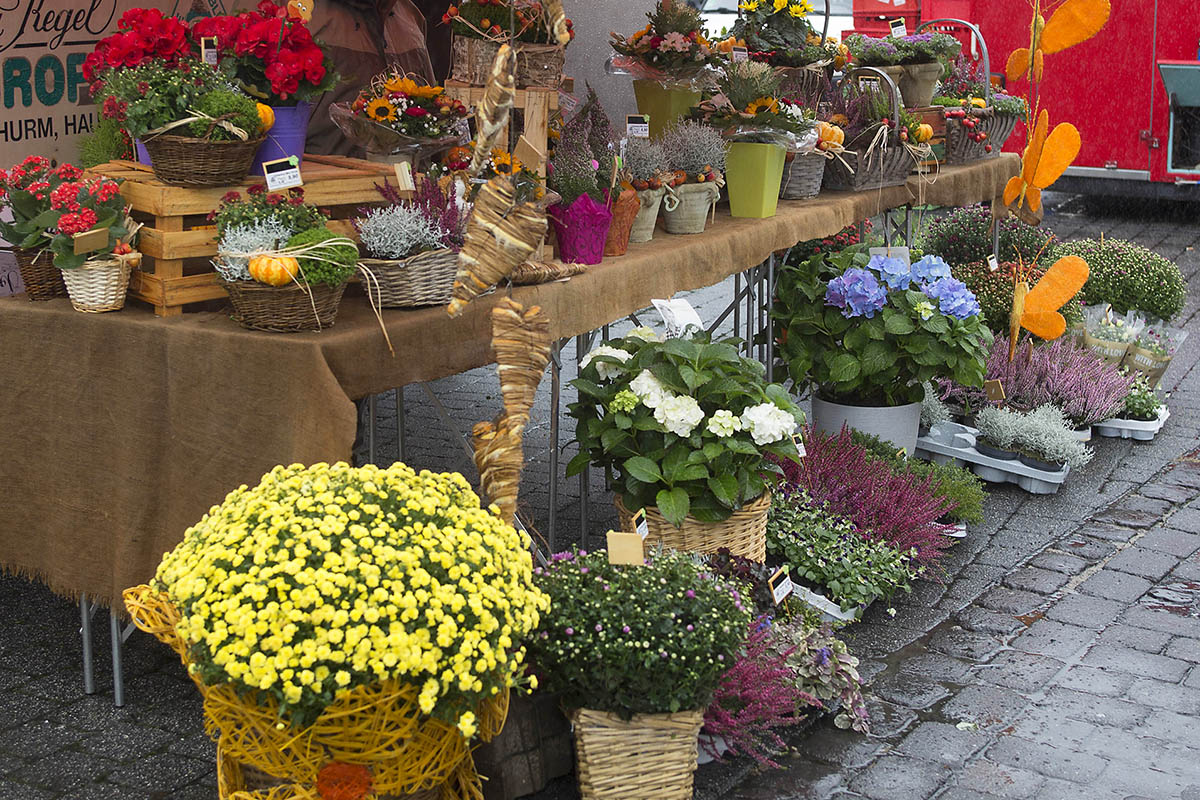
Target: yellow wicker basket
(743,534)
(650,757)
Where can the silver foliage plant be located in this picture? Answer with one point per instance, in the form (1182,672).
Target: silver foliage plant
(399,231)
(1043,433)
(692,146)
(644,159)
(933,410)
(266,234)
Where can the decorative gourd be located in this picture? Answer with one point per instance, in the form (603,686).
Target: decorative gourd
(829,135)
(267,115)
(274,270)
(923,133)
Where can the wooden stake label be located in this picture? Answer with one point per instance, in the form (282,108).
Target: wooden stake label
(404,177)
(994,389)
(528,154)
(90,241)
(799,442)
(640,525)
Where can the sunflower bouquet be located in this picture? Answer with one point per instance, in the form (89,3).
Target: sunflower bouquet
(396,113)
(748,107)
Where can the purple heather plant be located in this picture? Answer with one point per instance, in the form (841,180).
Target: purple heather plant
(1061,373)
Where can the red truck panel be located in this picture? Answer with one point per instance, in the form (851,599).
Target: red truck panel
(1178,33)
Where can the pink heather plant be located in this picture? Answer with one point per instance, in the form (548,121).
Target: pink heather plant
(898,508)
(1062,373)
(756,696)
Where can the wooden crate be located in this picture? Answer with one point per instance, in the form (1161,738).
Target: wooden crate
(178,242)
(536,104)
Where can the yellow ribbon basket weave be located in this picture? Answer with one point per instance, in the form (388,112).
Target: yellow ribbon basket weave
(377,727)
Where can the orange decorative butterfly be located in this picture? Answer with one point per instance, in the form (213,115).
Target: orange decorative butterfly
(300,9)
(1036,309)
(1046,157)
(1073,22)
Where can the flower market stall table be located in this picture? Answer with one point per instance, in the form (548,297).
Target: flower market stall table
(122,430)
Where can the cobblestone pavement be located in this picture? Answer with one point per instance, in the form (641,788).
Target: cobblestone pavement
(1057,657)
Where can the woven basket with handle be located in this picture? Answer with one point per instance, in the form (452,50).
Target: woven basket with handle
(802,177)
(961,148)
(650,756)
(99,285)
(883,167)
(744,533)
(184,161)
(43,280)
(421,280)
(283,309)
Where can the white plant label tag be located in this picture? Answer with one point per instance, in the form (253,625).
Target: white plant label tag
(781,585)
(899,29)
(892,252)
(637,126)
(739,54)
(993,265)
(678,316)
(282,173)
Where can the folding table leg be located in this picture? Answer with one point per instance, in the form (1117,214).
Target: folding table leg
(581,345)
(555,396)
(401,439)
(371,426)
(85,631)
(114,627)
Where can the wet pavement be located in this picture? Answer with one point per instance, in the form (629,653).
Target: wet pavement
(1057,656)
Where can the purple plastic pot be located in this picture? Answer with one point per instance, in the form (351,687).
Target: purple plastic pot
(581,229)
(286,137)
(140,152)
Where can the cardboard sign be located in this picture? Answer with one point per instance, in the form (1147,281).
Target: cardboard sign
(10,276)
(90,241)
(640,525)
(625,548)
(994,389)
(282,173)
(208,50)
(899,29)
(739,54)
(891,252)
(637,126)
(993,265)
(781,585)
(404,176)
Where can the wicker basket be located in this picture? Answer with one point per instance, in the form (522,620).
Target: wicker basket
(421,280)
(802,177)
(696,200)
(539,65)
(184,161)
(650,757)
(283,309)
(744,533)
(99,285)
(889,167)
(962,149)
(43,280)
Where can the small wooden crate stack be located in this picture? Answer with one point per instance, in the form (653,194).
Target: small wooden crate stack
(537,105)
(178,242)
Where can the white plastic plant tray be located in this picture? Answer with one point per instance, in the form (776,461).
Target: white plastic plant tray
(1143,431)
(829,610)
(950,441)
(958,530)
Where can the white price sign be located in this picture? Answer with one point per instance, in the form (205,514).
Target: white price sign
(640,525)
(637,126)
(781,585)
(899,29)
(739,54)
(209,50)
(282,173)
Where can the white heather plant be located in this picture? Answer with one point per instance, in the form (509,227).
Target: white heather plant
(998,426)
(399,231)
(265,234)
(1043,433)
(644,159)
(933,410)
(683,424)
(692,146)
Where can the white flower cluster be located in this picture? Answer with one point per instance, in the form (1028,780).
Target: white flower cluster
(723,423)
(768,423)
(605,370)
(679,414)
(399,231)
(262,236)
(649,389)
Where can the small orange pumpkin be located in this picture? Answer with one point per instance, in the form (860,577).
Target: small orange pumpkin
(274,270)
(266,115)
(923,133)
(828,134)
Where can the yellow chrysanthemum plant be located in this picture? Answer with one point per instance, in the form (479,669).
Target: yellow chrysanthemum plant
(329,589)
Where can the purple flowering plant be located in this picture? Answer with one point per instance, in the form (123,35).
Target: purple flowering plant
(637,639)
(869,330)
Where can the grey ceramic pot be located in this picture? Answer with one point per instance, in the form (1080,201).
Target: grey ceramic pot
(895,424)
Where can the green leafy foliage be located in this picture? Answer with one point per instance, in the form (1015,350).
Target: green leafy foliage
(238,211)
(330,264)
(108,141)
(1143,402)
(825,669)
(683,424)
(231,106)
(964,236)
(1128,276)
(637,639)
(153,94)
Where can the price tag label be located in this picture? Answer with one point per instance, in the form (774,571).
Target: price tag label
(90,241)
(637,126)
(868,83)
(901,253)
(993,264)
(404,176)
(739,54)
(994,389)
(781,585)
(282,173)
(208,50)
(899,29)
(799,442)
(640,525)
(625,548)
(678,317)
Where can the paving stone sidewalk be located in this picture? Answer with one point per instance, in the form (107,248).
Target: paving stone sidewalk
(1058,657)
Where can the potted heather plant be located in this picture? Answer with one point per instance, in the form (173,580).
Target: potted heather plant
(619,195)
(875,131)
(696,156)
(646,170)
(636,653)
(760,130)
(866,332)
(581,218)
(1042,438)
(412,246)
(684,428)
(668,59)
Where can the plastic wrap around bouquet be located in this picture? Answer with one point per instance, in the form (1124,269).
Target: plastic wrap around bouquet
(581,229)
(386,145)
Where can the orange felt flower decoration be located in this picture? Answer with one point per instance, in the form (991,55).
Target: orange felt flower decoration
(1036,309)
(1046,157)
(1073,22)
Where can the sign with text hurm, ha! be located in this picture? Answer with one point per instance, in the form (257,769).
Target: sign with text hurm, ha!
(45,105)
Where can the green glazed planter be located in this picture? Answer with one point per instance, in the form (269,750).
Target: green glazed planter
(663,106)
(753,173)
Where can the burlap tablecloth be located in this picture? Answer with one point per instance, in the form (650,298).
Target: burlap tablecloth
(119,430)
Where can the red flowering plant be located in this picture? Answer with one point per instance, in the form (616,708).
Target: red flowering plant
(259,205)
(143,34)
(78,206)
(27,192)
(270,53)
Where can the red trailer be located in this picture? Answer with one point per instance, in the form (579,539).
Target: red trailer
(1133,90)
